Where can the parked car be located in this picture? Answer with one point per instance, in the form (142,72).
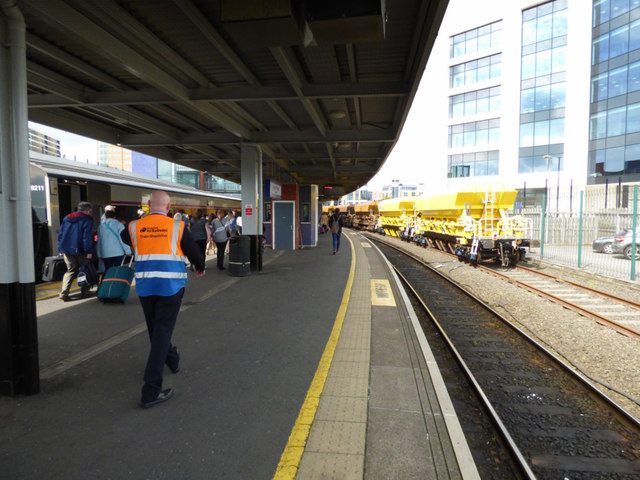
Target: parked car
(604,244)
(623,243)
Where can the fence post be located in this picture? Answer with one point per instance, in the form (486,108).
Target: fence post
(580,230)
(544,214)
(633,236)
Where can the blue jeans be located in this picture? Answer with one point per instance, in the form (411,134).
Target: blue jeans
(336,240)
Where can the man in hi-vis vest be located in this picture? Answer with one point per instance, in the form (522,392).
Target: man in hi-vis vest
(160,245)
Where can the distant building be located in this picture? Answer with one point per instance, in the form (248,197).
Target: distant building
(399,190)
(362,195)
(172,172)
(42,143)
(114,157)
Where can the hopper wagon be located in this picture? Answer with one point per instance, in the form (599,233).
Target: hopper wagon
(366,216)
(394,216)
(474,223)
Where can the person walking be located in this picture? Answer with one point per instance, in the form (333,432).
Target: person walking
(219,237)
(200,232)
(233,223)
(111,248)
(336,222)
(75,243)
(160,244)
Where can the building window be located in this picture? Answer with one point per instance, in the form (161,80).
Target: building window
(481,133)
(475,103)
(469,73)
(605,10)
(475,40)
(540,164)
(476,164)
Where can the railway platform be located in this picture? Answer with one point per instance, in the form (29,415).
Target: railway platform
(310,369)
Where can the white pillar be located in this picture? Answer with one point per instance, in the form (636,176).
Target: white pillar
(251,181)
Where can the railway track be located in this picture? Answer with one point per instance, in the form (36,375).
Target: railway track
(607,309)
(555,424)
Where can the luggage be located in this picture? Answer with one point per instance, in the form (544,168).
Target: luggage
(53,268)
(116,283)
(87,276)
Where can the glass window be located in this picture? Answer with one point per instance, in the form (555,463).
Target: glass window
(484,41)
(469,135)
(616,121)
(559,59)
(481,169)
(543,63)
(494,134)
(632,152)
(556,130)
(633,118)
(598,125)
(634,35)
(493,167)
(618,7)
(599,85)
(495,103)
(600,49)
(619,41)
(560,23)
(526,135)
(483,105)
(543,95)
(470,75)
(633,84)
(557,95)
(484,73)
(544,30)
(527,100)
(482,136)
(614,159)
(529,32)
(618,81)
(541,133)
(525,165)
(600,12)
(496,67)
(528,66)
(540,164)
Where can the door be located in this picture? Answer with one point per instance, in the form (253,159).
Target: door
(284,225)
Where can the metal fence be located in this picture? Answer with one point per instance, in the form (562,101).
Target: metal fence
(572,220)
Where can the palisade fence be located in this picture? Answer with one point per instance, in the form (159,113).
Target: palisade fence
(573,218)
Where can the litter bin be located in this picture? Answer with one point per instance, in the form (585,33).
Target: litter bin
(239,256)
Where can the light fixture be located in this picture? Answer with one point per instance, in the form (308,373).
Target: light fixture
(337,114)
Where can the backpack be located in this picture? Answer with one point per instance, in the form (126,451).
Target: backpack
(87,276)
(335,225)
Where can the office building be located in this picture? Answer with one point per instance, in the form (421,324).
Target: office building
(114,157)
(517,81)
(42,143)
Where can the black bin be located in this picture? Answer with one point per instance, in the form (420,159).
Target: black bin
(239,256)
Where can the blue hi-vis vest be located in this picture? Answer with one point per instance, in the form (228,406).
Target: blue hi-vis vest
(160,262)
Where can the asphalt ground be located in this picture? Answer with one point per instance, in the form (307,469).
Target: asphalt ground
(249,349)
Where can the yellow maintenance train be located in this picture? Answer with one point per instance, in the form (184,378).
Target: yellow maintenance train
(476,223)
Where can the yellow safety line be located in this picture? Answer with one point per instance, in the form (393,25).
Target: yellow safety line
(290,459)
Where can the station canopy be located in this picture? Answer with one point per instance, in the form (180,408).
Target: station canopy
(322,86)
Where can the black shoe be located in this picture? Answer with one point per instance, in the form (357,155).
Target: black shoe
(162,397)
(88,294)
(175,370)
(65,298)
(221,268)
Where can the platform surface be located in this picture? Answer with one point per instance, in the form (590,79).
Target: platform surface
(308,369)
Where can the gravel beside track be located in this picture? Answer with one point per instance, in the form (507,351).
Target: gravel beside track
(603,355)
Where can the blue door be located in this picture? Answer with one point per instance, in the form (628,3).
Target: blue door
(283,226)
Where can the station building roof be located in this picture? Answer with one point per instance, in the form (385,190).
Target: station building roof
(323,87)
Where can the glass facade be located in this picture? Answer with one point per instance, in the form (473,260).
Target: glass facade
(474,41)
(543,87)
(470,73)
(474,145)
(614,126)
(473,164)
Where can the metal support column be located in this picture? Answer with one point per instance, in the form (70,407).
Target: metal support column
(19,371)
(251,181)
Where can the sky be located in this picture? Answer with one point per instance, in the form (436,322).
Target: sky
(83,149)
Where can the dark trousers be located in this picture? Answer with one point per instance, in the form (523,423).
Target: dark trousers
(202,245)
(160,314)
(221,247)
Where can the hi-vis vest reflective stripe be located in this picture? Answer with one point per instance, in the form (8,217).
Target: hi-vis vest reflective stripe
(160,268)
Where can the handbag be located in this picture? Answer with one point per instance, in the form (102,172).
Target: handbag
(88,276)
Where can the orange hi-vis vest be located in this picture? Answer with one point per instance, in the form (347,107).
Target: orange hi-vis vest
(160,261)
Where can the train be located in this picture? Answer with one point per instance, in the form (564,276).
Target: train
(58,185)
(477,223)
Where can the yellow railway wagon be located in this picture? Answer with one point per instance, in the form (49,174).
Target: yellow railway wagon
(366,215)
(474,223)
(394,215)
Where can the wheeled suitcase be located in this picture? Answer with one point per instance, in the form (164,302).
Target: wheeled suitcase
(116,284)
(53,268)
